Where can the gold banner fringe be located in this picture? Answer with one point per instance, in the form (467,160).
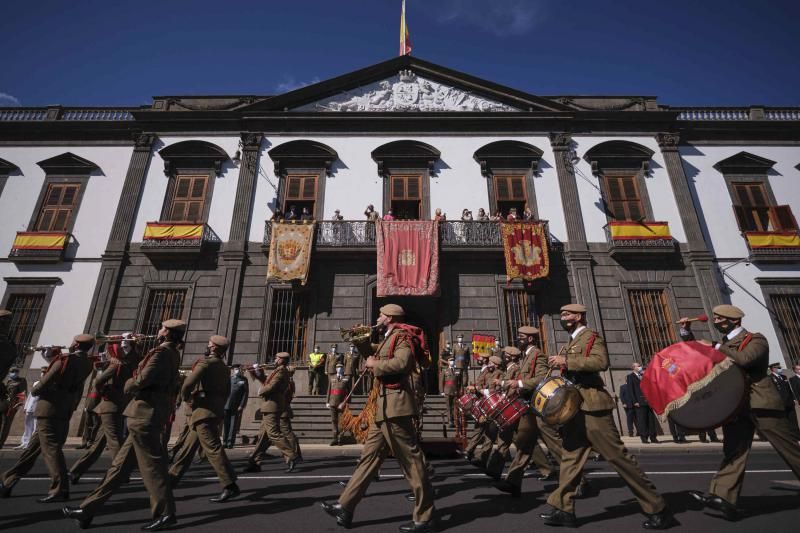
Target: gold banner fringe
(358,425)
(716,370)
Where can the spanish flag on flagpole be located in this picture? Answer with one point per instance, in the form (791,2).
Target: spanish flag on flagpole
(405,42)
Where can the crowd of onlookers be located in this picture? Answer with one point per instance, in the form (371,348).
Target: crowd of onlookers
(295,214)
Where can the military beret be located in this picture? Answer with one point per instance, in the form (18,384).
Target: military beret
(528,330)
(495,360)
(282,355)
(4,313)
(511,350)
(392,310)
(174,324)
(220,341)
(728,311)
(574,308)
(84,338)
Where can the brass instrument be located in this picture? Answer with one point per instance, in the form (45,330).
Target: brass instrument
(43,348)
(113,339)
(357,334)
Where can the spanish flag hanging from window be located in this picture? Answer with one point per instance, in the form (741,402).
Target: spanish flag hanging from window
(405,42)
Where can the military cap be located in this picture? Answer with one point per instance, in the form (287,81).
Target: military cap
(220,341)
(282,355)
(83,338)
(13,369)
(528,330)
(392,310)
(174,324)
(511,350)
(4,313)
(495,360)
(574,308)
(728,311)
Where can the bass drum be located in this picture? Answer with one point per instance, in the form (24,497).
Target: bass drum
(715,403)
(556,400)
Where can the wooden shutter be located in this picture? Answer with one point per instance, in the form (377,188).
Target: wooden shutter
(406,188)
(299,188)
(622,197)
(783,218)
(189,199)
(753,211)
(510,188)
(60,200)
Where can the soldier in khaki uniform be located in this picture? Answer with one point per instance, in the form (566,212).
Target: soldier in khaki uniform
(393,429)
(273,404)
(499,456)
(109,387)
(764,411)
(450,389)
(206,389)
(584,357)
(338,385)
(482,441)
(151,389)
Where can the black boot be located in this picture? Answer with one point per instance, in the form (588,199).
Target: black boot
(557,517)
(228,493)
(662,520)
(50,498)
(508,488)
(413,527)
(83,519)
(290,466)
(343,517)
(162,522)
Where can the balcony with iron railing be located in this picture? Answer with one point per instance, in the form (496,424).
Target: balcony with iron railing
(771,233)
(39,247)
(639,240)
(360,234)
(168,240)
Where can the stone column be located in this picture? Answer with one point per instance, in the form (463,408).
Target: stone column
(699,256)
(235,252)
(116,252)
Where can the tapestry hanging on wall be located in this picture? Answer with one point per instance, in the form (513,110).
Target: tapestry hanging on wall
(290,251)
(526,251)
(408,257)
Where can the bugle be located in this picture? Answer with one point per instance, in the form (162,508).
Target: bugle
(358,333)
(113,339)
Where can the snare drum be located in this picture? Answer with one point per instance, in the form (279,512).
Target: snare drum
(556,400)
(493,404)
(477,410)
(510,414)
(465,402)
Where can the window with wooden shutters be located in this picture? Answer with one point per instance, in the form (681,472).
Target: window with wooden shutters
(287,324)
(406,200)
(754,211)
(652,321)
(60,201)
(520,310)
(301,192)
(189,200)
(509,192)
(26,311)
(622,198)
(162,304)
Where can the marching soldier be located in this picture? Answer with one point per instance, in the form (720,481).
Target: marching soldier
(8,350)
(151,388)
(584,357)
(316,366)
(273,404)
(764,411)
(482,441)
(288,414)
(498,457)
(393,427)
(109,387)
(12,397)
(338,385)
(206,389)
(59,392)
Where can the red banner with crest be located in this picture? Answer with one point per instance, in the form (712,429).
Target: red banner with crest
(526,250)
(408,257)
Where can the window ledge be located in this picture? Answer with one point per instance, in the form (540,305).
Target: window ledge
(39,247)
(773,246)
(168,240)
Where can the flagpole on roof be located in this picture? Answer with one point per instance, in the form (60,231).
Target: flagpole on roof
(405,42)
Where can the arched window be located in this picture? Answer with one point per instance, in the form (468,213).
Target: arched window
(621,167)
(509,167)
(406,168)
(301,167)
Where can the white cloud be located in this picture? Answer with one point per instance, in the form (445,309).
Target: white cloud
(7,100)
(290,84)
(500,17)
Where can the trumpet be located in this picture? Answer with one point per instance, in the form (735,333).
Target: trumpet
(113,339)
(358,333)
(255,368)
(28,348)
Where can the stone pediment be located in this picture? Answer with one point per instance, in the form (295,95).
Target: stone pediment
(406,92)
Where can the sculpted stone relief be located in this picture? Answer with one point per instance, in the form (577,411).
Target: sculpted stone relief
(406,92)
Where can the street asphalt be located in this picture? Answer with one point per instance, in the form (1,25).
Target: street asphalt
(275,501)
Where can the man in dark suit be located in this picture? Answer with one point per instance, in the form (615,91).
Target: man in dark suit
(234,406)
(8,350)
(645,419)
(627,404)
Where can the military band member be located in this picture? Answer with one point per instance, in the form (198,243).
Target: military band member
(393,430)
(273,404)
(206,389)
(338,385)
(151,389)
(59,393)
(316,371)
(763,411)
(481,443)
(288,414)
(584,357)
(109,386)
(91,423)
(12,398)
(8,350)
(450,389)
(501,453)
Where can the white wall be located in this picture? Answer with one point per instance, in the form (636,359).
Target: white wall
(659,190)
(717,217)
(69,307)
(222,199)
(96,211)
(457,184)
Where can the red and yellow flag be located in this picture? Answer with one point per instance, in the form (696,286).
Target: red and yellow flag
(157,231)
(39,240)
(773,239)
(405,42)
(626,230)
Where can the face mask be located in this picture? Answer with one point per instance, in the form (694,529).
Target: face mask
(208,351)
(126,347)
(161,339)
(724,327)
(522,345)
(567,324)
(236,372)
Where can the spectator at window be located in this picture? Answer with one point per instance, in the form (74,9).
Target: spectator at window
(466,215)
(497,217)
(388,215)
(336,216)
(371,214)
(438,215)
(306,214)
(527,214)
(277,216)
(292,214)
(482,216)
(512,215)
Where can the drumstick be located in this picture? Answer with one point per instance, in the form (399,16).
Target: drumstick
(698,318)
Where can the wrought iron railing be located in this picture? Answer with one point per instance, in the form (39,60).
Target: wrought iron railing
(208,237)
(666,243)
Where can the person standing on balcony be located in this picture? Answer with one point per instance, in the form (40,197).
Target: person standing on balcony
(388,215)
(292,214)
(371,214)
(466,215)
(336,216)
(306,215)
(482,216)
(439,216)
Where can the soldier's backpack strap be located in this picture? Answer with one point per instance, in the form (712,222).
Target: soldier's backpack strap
(745,341)
(590,344)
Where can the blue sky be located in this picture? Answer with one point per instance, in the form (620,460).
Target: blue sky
(118,52)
